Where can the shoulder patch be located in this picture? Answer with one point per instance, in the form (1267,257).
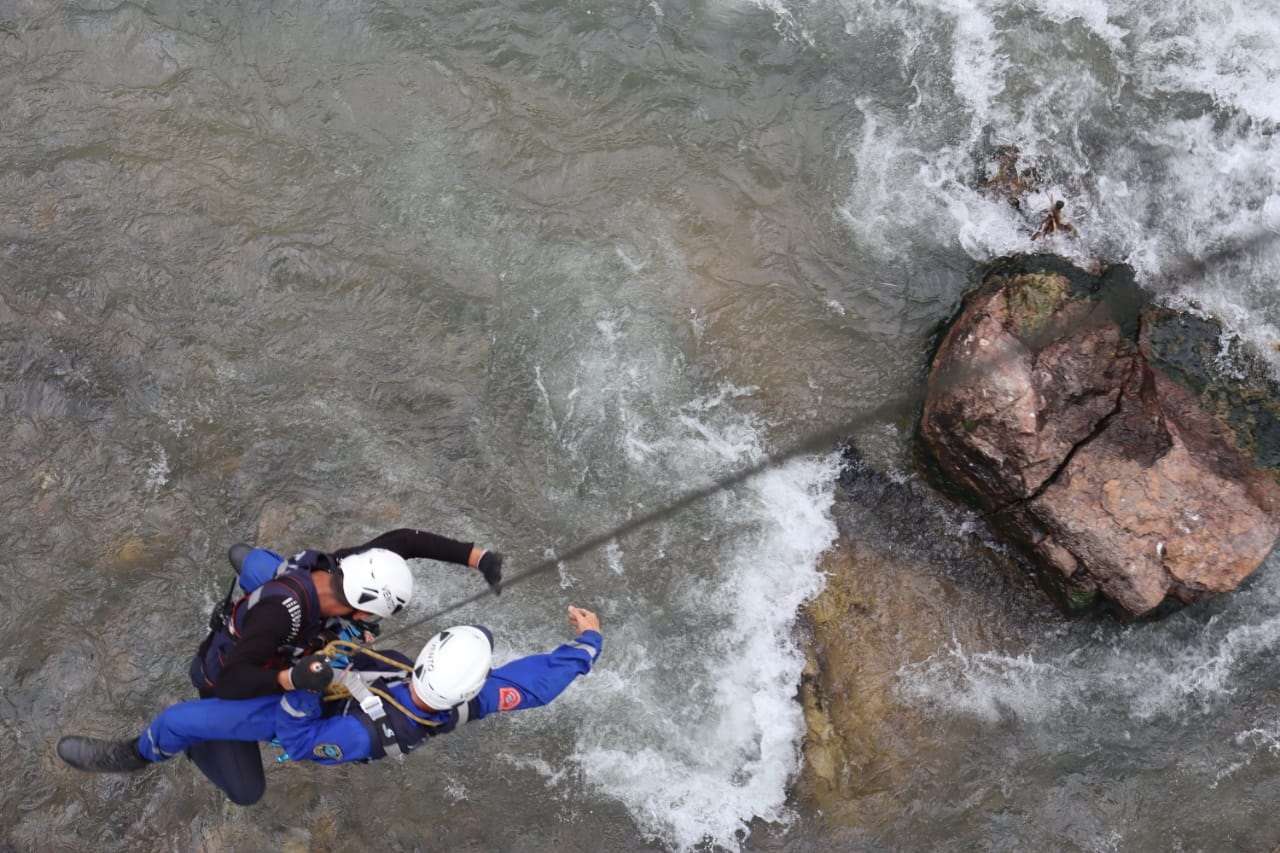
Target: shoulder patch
(509,698)
(330,751)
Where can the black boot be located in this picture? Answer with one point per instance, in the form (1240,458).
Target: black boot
(101,756)
(236,554)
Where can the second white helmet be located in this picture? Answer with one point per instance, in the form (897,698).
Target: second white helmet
(376,581)
(453,666)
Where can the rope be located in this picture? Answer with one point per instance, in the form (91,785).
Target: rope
(350,648)
(827,439)
(337,692)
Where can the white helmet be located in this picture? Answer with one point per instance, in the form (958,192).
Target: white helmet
(376,581)
(453,666)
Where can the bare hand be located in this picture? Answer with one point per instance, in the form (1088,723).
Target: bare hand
(583,620)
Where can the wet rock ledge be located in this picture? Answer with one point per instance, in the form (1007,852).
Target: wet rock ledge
(1129,451)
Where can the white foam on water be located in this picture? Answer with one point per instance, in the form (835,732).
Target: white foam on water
(1156,124)
(1228,50)
(977,60)
(689,721)
(1150,673)
(538,766)
(1266,737)
(1094,15)
(157,469)
(712,735)
(1259,741)
(985,684)
(613,557)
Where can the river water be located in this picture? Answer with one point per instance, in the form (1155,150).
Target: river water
(523,272)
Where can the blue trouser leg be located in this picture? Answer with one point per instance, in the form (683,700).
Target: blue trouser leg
(222,739)
(233,763)
(179,726)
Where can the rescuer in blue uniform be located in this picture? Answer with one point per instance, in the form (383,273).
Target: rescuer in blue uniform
(290,608)
(391,710)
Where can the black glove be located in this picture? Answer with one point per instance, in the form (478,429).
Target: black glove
(490,566)
(311,673)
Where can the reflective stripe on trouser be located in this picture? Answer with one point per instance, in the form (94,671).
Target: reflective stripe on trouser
(179,726)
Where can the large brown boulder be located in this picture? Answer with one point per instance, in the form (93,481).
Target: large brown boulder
(1101,435)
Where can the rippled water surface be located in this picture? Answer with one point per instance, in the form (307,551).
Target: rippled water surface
(300,273)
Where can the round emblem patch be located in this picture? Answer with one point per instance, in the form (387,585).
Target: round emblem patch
(508,698)
(327,750)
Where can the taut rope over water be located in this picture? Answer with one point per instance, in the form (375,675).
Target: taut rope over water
(816,442)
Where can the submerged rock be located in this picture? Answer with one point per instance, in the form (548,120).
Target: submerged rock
(902,587)
(1111,440)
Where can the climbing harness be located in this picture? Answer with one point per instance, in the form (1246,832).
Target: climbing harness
(355,685)
(221,613)
(297,593)
(352,683)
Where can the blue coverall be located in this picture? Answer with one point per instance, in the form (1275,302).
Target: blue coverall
(312,730)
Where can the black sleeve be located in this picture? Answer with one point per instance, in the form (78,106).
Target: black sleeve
(266,627)
(411,544)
